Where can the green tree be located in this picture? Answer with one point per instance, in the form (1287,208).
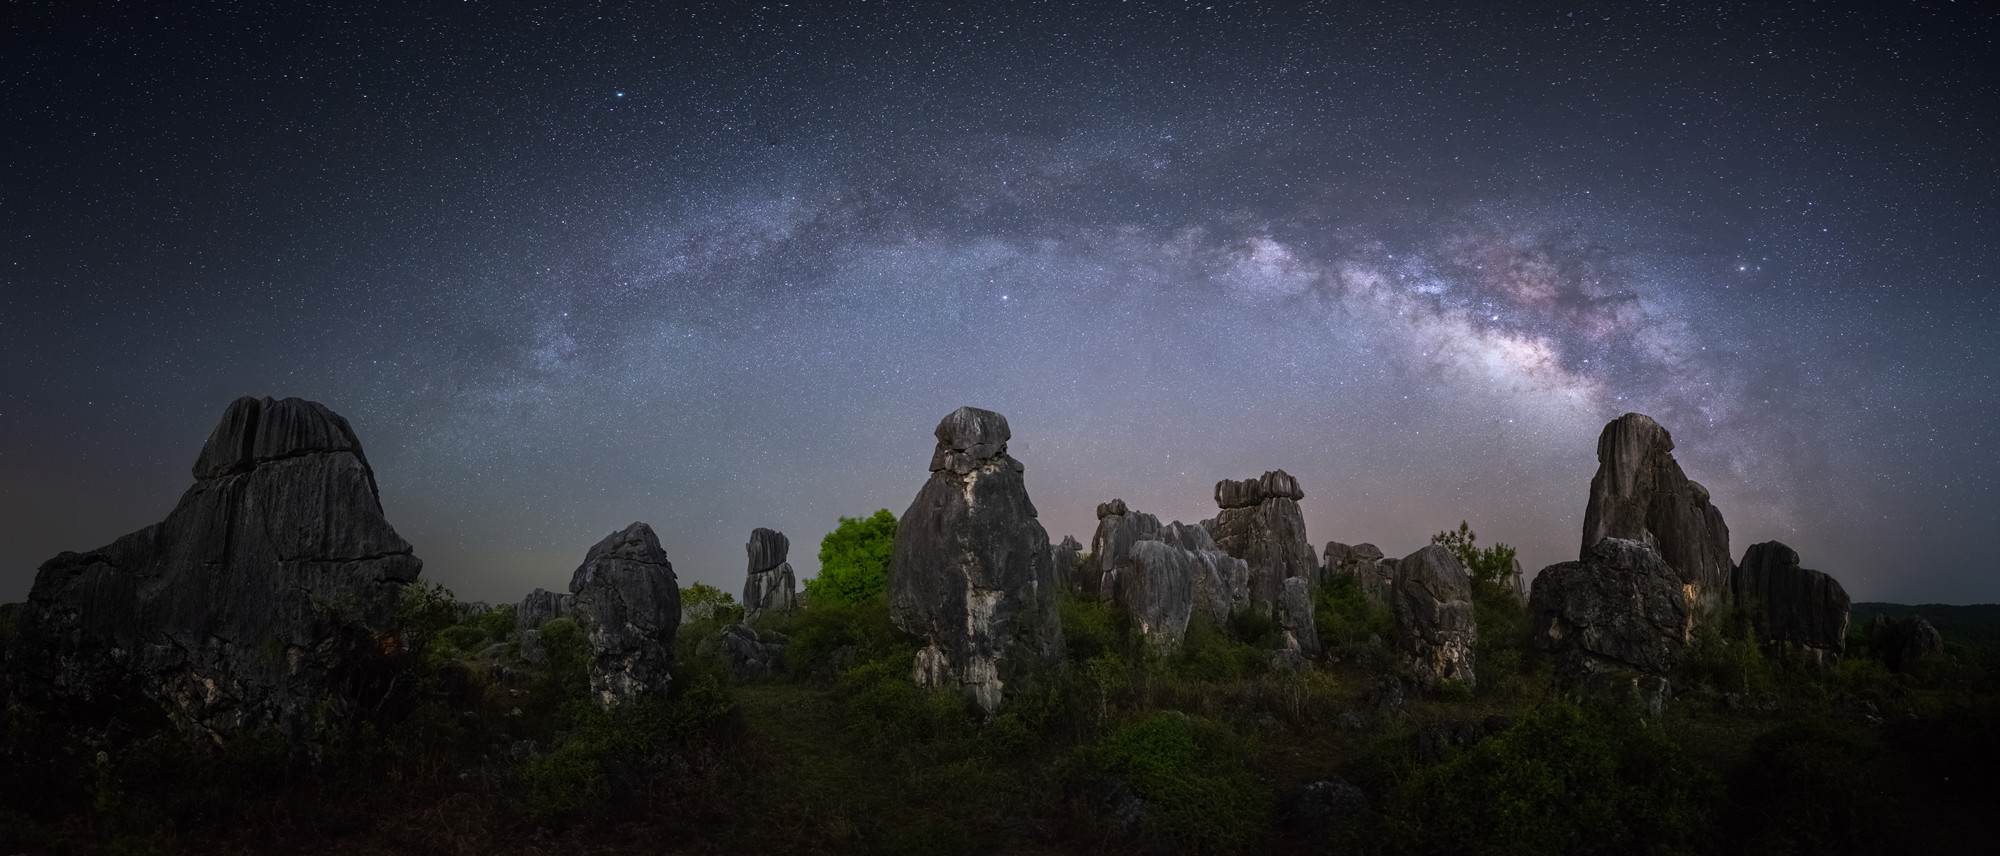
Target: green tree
(854,559)
(703,602)
(1494,565)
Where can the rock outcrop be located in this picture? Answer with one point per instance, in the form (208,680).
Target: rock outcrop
(1792,608)
(1295,617)
(1063,559)
(1118,528)
(1621,608)
(270,589)
(1376,573)
(628,605)
(1904,641)
(538,608)
(1221,581)
(1640,494)
(971,572)
(1260,523)
(1432,600)
(770,585)
(1157,589)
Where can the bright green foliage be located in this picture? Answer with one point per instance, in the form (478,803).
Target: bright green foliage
(1192,770)
(854,559)
(704,602)
(1493,564)
(1565,779)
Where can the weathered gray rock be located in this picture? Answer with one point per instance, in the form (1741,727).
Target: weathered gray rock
(1063,559)
(1640,494)
(1295,616)
(538,608)
(1118,528)
(770,585)
(1331,560)
(1792,608)
(750,657)
(971,572)
(269,589)
(628,604)
(1261,523)
(1376,573)
(1432,600)
(1904,641)
(1157,589)
(1620,608)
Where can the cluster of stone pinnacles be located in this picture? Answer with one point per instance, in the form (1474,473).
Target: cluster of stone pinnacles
(270,592)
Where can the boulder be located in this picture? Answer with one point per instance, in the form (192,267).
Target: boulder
(1618,610)
(1331,560)
(1295,617)
(1260,523)
(1904,641)
(1157,590)
(1118,528)
(538,608)
(971,574)
(628,605)
(769,585)
(1432,600)
(1792,608)
(1640,494)
(749,657)
(1376,573)
(267,597)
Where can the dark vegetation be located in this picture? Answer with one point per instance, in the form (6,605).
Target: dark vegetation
(1199,752)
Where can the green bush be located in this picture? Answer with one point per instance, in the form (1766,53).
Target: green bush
(854,559)
(705,604)
(579,773)
(1564,779)
(1208,654)
(1194,773)
(822,627)
(1723,657)
(1809,787)
(1093,628)
(1493,565)
(1346,619)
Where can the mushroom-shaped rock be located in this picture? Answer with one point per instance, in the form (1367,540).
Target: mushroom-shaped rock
(1260,523)
(1432,600)
(1792,608)
(1640,494)
(1620,608)
(272,583)
(628,604)
(770,584)
(971,573)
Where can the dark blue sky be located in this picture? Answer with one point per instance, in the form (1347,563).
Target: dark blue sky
(726,266)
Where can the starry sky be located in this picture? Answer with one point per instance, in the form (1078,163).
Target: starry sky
(720,266)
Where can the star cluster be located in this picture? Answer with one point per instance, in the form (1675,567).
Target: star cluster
(725,266)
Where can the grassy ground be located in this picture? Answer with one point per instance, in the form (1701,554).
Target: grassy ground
(1755,756)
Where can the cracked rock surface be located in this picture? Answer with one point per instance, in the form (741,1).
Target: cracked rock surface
(972,573)
(1261,523)
(770,584)
(628,604)
(1619,608)
(271,586)
(1640,494)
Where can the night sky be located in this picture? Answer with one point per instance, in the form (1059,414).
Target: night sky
(724,267)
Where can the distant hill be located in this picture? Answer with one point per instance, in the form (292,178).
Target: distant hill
(1975,624)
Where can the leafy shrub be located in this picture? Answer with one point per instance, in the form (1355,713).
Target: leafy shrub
(1257,628)
(1192,771)
(854,559)
(1723,657)
(1208,654)
(1564,779)
(1346,619)
(882,700)
(822,627)
(1809,788)
(1493,565)
(606,752)
(1093,628)
(704,603)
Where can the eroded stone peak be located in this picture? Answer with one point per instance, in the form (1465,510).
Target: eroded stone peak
(262,429)
(968,438)
(1276,484)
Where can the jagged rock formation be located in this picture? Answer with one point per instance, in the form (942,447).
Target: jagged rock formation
(1640,494)
(749,656)
(537,609)
(628,604)
(971,572)
(1221,581)
(269,589)
(1432,599)
(1261,523)
(1118,528)
(1619,608)
(770,585)
(1063,558)
(1157,589)
(1295,616)
(1792,608)
(1903,642)
(1365,562)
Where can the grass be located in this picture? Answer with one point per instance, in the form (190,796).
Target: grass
(842,752)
